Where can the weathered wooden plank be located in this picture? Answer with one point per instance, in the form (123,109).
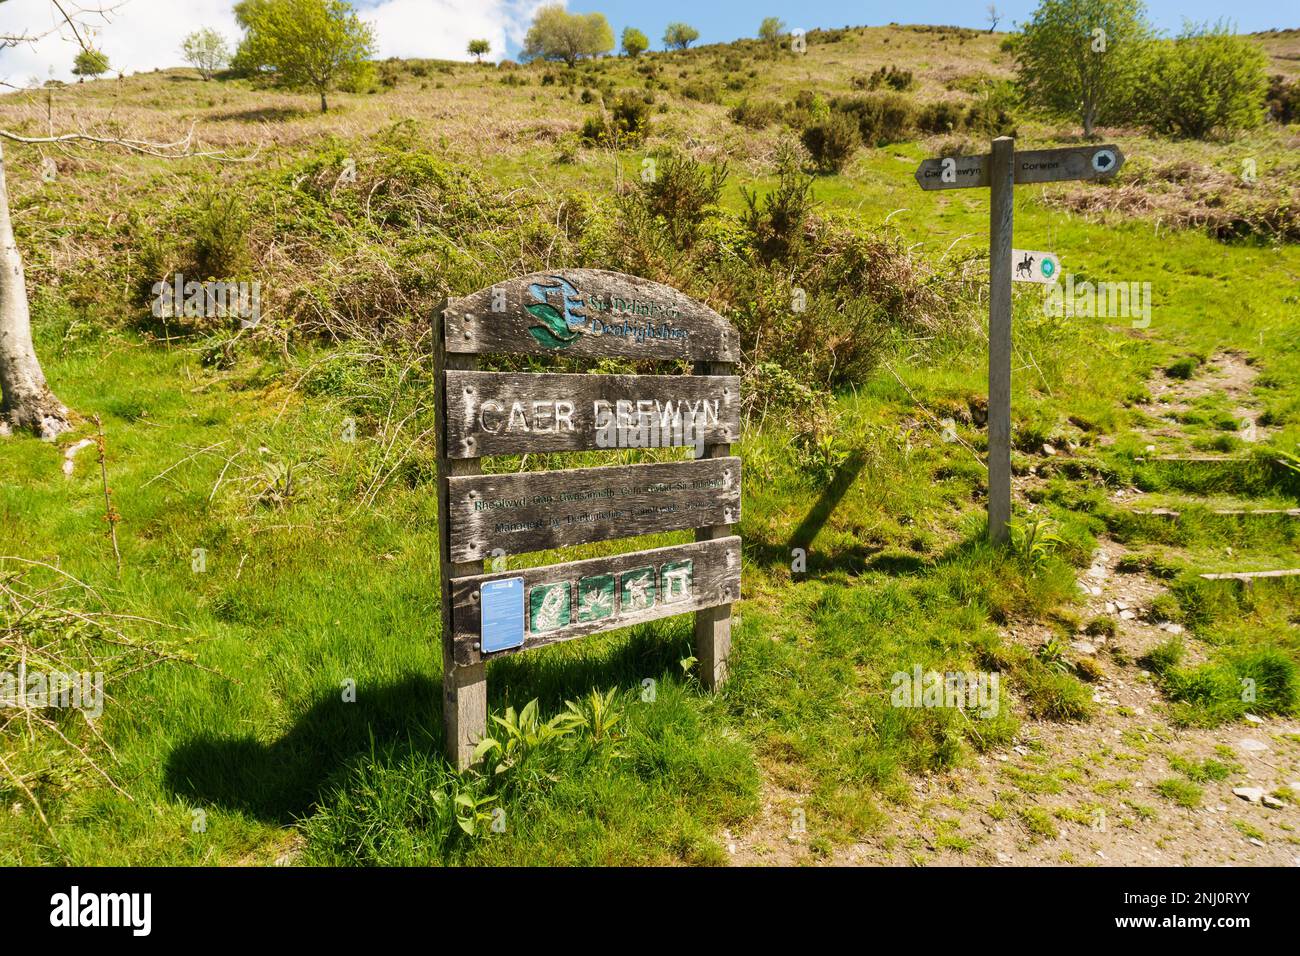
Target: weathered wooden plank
(601,594)
(1031,166)
(464,689)
(1252,575)
(713,624)
(506,413)
(1001,216)
(588,313)
(516,513)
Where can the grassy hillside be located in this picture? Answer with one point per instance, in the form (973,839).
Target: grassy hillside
(277,515)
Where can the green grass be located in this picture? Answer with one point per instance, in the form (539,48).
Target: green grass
(310,728)
(1182,792)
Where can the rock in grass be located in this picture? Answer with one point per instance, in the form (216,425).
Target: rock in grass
(1253,794)
(1251,745)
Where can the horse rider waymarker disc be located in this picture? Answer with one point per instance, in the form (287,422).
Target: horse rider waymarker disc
(1031,266)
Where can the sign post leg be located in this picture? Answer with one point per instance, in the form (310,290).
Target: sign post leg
(464,688)
(1001,212)
(713,625)
(464,709)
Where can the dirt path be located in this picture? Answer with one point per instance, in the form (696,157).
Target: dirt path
(1105,792)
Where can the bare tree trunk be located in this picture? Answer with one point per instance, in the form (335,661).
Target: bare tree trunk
(323,106)
(26,402)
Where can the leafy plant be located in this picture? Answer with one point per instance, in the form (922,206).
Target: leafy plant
(598,714)
(1035,540)
(471,809)
(522,734)
(1051,653)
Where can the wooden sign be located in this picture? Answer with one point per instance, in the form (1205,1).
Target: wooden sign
(583,313)
(589,313)
(1000,171)
(508,413)
(566,601)
(1030,166)
(519,512)
(1028,265)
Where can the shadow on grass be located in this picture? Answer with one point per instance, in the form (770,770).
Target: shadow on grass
(283,781)
(265,114)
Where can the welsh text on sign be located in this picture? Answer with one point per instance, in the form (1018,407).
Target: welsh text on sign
(1031,166)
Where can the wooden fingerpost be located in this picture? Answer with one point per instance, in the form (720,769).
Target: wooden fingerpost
(999,171)
(1001,215)
(464,686)
(713,624)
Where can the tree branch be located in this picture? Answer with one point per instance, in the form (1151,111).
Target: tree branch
(180,149)
(67,17)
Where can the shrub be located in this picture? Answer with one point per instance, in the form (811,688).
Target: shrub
(702,91)
(942,117)
(832,143)
(1206,81)
(892,78)
(1283,100)
(681,194)
(627,123)
(221,237)
(756,115)
(775,224)
(993,112)
(882,118)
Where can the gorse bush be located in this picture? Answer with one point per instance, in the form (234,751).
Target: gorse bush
(702,91)
(1283,99)
(681,193)
(892,78)
(994,111)
(221,225)
(832,143)
(882,118)
(775,224)
(1206,81)
(757,114)
(626,124)
(944,116)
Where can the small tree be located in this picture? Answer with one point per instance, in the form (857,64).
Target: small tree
(678,36)
(635,42)
(315,44)
(557,34)
(90,63)
(206,51)
(479,48)
(1208,80)
(1083,58)
(993,17)
(771,30)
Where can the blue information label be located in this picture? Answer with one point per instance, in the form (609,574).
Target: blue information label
(502,604)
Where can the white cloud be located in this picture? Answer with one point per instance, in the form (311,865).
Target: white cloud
(139,35)
(443,28)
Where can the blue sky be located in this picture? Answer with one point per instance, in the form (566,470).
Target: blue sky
(140,35)
(728,20)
